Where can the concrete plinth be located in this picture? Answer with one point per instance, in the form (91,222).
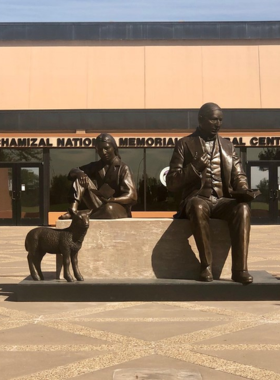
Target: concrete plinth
(265,287)
(149,248)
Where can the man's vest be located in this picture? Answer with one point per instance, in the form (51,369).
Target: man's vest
(213,182)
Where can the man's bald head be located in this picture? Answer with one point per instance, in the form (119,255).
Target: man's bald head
(207,109)
(210,118)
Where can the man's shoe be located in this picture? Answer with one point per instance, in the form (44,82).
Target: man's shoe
(206,275)
(65,216)
(242,276)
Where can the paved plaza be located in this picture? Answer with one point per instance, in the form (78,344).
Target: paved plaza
(137,340)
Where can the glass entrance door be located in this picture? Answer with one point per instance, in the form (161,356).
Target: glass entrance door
(265,176)
(21,189)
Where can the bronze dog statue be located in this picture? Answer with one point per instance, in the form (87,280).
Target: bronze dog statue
(67,242)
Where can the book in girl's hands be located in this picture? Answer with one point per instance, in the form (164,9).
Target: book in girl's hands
(104,191)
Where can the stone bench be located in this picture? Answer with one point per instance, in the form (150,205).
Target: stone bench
(148,249)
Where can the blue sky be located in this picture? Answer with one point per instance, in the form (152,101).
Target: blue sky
(138,10)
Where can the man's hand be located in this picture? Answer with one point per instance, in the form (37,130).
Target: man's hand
(83,179)
(200,163)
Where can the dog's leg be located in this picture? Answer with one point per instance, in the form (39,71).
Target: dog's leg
(59,265)
(37,261)
(66,266)
(77,273)
(32,266)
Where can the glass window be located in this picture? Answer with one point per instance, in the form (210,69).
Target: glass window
(61,162)
(157,164)
(30,193)
(267,153)
(6,191)
(134,158)
(151,189)
(260,181)
(237,151)
(21,155)
(253,154)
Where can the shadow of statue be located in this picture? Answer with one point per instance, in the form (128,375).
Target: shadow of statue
(175,255)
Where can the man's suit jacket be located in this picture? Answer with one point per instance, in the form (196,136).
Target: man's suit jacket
(182,176)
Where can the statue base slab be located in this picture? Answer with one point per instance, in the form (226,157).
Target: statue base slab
(264,288)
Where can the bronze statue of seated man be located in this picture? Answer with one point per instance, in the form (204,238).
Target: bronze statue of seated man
(105,186)
(206,168)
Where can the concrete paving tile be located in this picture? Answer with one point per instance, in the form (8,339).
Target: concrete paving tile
(252,307)
(35,334)
(68,309)
(11,269)
(13,263)
(266,262)
(155,310)
(264,359)
(15,364)
(263,334)
(270,266)
(149,331)
(159,362)
(49,307)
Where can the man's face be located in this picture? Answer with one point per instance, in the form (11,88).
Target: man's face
(105,151)
(211,122)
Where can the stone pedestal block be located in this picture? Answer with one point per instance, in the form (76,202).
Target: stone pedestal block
(149,248)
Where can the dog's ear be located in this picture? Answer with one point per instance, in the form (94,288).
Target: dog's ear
(89,212)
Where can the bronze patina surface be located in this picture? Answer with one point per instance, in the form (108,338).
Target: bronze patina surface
(206,168)
(105,186)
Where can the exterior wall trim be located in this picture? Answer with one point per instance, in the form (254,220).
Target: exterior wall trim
(167,120)
(128,140)
(118,31)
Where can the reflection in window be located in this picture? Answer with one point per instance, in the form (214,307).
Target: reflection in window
(237,151)
(260,181)
(61,162)
(255,154)
(134,158)
(269,154)
(278,188)
(152,194)
(158,198)
(6,188)
(21,155)
(30,193)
